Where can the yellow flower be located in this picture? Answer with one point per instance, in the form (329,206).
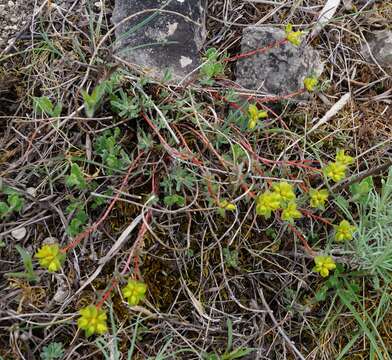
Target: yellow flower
(343,159)
(134,291)
(310,83)
(285,190)
(318,198)
(50,257)
(225,205)
(294,37)
(344,231)
(92,320)
(268,202)
(324,264)
(336,171)
(290,212)
(254,115)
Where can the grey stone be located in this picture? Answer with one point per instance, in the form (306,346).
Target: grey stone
(280,70)
(380,45)
(168,41)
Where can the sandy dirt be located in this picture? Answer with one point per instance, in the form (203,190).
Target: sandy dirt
(14,17)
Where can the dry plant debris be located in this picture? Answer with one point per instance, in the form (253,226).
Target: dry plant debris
(143,220)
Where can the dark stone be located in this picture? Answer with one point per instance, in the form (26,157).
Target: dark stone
(278,71)
(380,45)
(168,41)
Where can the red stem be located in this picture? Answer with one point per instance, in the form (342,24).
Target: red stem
(305,243)
(93,227)
(257,51)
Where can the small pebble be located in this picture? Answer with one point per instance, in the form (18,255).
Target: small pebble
(19,234)
(31,191)
(50,240)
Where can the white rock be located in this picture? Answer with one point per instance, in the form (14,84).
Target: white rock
(19,234)
(31,191)
(11,3)
(50,240)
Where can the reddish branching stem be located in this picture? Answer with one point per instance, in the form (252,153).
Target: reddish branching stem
(305,243)
(94,226)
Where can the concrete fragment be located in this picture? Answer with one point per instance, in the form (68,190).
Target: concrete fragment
(280,70)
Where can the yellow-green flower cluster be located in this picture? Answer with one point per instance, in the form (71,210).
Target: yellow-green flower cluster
(318,198)
(337,170)
(281,198)
(134,291)
(92,320)
(267,203)
(226,205)
(294,37)
(310,83)
(344,231)
(255,115)
(50,257)
(290,212)
(324,264)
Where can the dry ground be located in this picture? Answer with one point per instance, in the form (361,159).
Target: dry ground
(216,284)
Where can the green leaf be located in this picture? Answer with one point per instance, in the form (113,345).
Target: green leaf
(15,202)
(76,225)
(342,202)
(76,178)
(174,200)
(4,209)
(57,110)
(360,191)
(363,319)
(125,106)
(29,273)
(53,351)
(231,257)
(43,105)
(237,354)
(91,102)
(321,294)
(111,152)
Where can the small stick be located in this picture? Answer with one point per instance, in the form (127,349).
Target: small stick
(280,330)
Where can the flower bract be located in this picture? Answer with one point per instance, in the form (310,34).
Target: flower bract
(310,83)
(290,213)
(134,291)
(226,205)
(294,37)
(50,257)
(285,190)
(324,264)
(92,320)
(336,171)
(344,231)
(344,159)
(268,202)
(254,115)
(318,198)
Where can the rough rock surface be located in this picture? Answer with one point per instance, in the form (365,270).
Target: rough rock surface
(168,41)
(380,45)
(278,71)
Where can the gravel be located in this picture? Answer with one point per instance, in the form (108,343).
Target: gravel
(14,16)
